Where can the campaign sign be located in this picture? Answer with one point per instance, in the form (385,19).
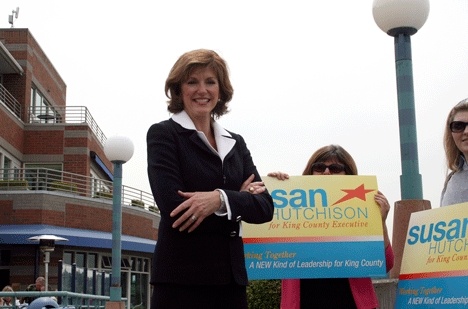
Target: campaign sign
(323,227)
(434,266)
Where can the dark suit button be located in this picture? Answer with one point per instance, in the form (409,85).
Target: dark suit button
(233,233)
(238,218)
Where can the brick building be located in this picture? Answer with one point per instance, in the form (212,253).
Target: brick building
(56,180)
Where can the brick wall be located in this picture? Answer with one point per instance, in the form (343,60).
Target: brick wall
(11,130)
(74,212)
(24,48)
(43,141)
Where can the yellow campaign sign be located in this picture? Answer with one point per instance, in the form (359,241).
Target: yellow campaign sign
(434,267)
(323,226)
(437,241)
(321,206)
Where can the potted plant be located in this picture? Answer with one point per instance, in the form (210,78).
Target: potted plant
(13,185)
(153,209)
(63,186)
(103,194)
(138,203)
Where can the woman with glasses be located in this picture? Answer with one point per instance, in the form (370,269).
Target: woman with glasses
(456,150)
(334,292)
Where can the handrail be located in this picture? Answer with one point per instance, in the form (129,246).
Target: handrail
(53,114)
(67,115)
(44,179)
(68,299)
(10,101)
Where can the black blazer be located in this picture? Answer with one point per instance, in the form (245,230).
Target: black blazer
(179,160)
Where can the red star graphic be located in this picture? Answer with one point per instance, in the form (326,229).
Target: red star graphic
(359,192)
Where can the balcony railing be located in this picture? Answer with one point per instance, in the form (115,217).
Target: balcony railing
(68,115)
(10,102)
(43,179)
(49,114)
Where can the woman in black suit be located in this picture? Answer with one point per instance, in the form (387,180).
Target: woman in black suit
(203,179)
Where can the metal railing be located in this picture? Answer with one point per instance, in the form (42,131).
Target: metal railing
(86,280)
(68,115)
(43,179)
(49,114)
(10,102)
(64,299)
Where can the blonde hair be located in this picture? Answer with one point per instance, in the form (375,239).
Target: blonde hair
(452,152)
(7,288)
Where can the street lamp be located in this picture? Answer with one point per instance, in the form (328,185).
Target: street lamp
(118,149)
(401,19)
(47,245)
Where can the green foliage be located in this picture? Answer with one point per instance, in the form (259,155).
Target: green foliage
(14,183)
(264,294)
(153,209)
(63,186)
(138,203)
(103,194)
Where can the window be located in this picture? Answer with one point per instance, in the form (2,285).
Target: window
(9,167)
(6,166)
(98,185)
(80,259)
(134,279)
(68,258)
(92,260)
(138,290)
(140,265)
(39,175)
(6,163)
(107,262)
(41,110)
(84,269)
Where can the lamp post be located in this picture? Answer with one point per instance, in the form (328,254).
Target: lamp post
(47,245)
(118,149)
(401,19)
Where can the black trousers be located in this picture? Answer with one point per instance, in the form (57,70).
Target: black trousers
(178,296)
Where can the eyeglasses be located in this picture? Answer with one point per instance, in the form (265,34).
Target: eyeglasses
(458,126)
(334,168)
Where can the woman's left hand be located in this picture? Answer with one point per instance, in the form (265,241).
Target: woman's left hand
(279,175)
(383,205)
(255,187)
(196,207)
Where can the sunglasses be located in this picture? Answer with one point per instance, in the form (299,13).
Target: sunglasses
(458,126)
(334,168)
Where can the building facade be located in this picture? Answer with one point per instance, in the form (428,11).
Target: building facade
(56,180)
